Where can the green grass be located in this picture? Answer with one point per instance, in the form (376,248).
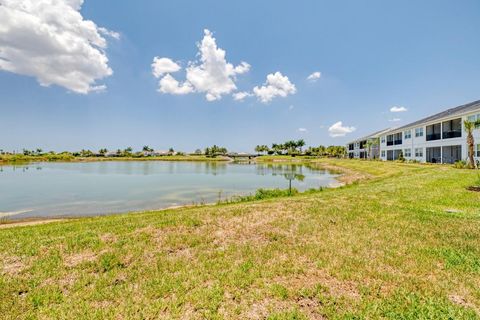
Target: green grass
(402,244)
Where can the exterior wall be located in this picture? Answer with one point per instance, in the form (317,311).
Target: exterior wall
(421,142)
(357,151)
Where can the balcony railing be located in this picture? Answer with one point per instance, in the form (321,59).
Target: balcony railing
(398,142)
(452,134)
(433,136)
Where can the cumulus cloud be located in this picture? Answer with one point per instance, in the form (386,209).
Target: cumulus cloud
(51,41)
(169,84)
(160,66)
(276,85)
(314,76)
(302,130)
(211,74)
(338,130)
(239,96)
(398,109)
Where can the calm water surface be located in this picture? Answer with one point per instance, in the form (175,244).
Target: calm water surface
(77,189)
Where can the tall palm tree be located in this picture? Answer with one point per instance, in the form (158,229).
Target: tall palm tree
(300,144)
(469,127)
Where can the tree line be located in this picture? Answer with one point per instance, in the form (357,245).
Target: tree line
(295,147)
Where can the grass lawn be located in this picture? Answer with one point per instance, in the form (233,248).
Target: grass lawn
(402,244)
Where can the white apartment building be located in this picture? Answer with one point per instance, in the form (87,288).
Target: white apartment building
(440,138)
(358,149)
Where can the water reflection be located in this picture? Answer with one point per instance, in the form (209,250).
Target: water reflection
(58,189)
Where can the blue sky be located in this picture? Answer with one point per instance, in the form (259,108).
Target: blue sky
(372,55)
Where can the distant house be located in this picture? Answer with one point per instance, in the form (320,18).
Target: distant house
(111,154)
(439,138)
(366,147)
(158,153)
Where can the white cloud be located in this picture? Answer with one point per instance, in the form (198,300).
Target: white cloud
(239,96)
(50,40)
(276,85)
(211,74)
(109,33)
(338,130)
(160,66)
(169,84)
(398,109)
(314,76)
(394,120)
(302,130)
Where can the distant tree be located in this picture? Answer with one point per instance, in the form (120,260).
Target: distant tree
(39,151)
(215,151)
(103,151)
(300,144)
(147,149)
(198,151)
(86,153)
(171,151)
(127,152)
(262,148)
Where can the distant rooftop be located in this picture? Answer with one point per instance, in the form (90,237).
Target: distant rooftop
(472,106)
(373,135)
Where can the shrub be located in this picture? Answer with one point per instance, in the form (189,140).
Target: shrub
(460,164)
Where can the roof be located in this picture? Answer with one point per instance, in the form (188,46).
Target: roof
(373,135)
(472,106)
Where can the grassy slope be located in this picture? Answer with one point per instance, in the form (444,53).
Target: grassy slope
(382,248)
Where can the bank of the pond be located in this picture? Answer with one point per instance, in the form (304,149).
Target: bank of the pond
(403,243)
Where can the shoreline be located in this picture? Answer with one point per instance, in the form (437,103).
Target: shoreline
(346,177)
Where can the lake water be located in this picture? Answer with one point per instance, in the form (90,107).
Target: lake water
(92,188)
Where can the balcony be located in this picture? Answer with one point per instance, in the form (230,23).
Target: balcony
(398,142)
(434,136)
(452,134)
(389,143)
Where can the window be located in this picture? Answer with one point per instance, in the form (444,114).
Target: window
(452,128)
(383,152)
(390,140)
(398,138)
(418,132)
(434,132)
(474,118)
(407,134)
(383,139)
(478,150)
(407,153)
(419,152)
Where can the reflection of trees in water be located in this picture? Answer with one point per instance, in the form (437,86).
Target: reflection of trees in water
(215,168)
(294,176)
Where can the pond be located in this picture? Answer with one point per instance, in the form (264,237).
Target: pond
(56,189)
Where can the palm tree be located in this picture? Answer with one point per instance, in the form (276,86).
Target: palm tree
(469,127)
(300,144)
